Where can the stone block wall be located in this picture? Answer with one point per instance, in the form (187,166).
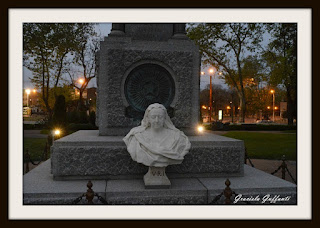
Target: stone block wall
(119,55)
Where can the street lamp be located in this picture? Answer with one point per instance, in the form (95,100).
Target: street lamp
(273,95)
(28,92)
(231,104)
(211,72)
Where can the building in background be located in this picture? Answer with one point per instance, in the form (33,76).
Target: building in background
(32,101)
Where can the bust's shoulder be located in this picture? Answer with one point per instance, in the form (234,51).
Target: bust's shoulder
(136,130)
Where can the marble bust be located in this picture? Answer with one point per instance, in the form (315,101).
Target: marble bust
(157,142)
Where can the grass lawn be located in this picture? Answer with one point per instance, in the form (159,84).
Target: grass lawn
(267,145)
(35,147)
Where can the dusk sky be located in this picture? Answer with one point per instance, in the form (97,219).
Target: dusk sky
(104,29)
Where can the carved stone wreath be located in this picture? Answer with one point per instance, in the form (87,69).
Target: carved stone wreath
(148,84)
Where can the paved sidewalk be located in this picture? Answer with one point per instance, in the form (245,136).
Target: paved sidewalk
(270,166)
(33,134)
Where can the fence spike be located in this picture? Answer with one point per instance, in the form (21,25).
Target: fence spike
(227,192)
(90,193)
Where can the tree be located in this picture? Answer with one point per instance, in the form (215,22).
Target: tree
(221,97)
(87,46)
(224,46)
(48,50)
(281,58)
(254,74)
(45,48)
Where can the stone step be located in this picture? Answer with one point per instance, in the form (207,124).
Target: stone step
(40,188)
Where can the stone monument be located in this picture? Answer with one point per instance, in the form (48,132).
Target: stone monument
(142,64)
(139,65)
(157,144)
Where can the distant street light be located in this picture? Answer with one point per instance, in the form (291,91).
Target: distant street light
(81,81)
(211,73)
(273,95)
(28,92)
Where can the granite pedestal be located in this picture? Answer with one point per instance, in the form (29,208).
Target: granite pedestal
(40,188)
(86,155)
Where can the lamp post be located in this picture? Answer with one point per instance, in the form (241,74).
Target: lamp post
(211,73)
(231,104)
(28,92)
(273,95)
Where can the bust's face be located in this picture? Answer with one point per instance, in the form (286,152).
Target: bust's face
(156,118)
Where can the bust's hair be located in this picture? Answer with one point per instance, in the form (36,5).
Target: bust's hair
(167,122)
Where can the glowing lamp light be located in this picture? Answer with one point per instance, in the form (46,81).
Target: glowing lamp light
(28,91)
(202,73)
(268,107)
(34,90)
(200,129)
(228,107)
(211,70)
(276,108)
(204,107)
(81,81)
(57,132)
(272,91)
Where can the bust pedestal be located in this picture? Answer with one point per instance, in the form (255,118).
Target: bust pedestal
(156,178)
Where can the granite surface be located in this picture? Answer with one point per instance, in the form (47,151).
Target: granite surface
(40,188)
(120,55)
(85,154)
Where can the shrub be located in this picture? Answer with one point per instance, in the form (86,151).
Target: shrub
(81,126)
(77,117)
(59,111)
(92,118)
(83,118)
(72,117)
(261,127)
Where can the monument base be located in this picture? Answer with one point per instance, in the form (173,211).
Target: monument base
(156,178)
(86,155)
(40,188)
